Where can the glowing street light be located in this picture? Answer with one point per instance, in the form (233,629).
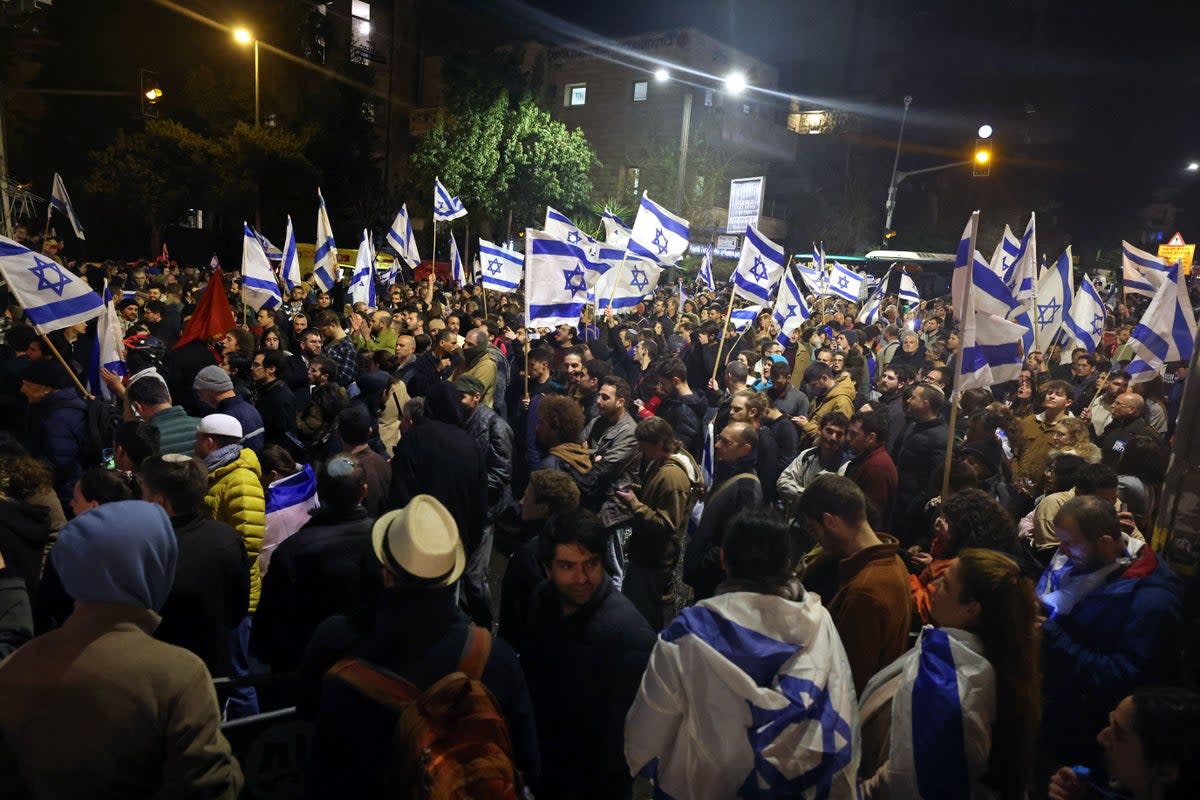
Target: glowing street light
(1193,166)
(661,75)
(243,36)
(735,83)
(985,131)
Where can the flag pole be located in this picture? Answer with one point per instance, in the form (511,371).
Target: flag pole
(950,444)
(724,328)
(616,280)
(527,363)
(433,249)
(86,394)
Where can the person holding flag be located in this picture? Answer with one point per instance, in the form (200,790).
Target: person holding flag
(759,269)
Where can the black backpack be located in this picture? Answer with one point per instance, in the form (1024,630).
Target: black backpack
(103,417)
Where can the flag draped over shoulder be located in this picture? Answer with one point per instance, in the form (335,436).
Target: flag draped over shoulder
(1167,331)
(213,317)
(555,281)
(325,256)
(53,297)
(501,268)
(259,288)
(658,234)
(59,199)
(290,268)
(759,269)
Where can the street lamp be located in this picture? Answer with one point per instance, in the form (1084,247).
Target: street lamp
(1193,166)
(735,83)
(243,36)
(661,75)
(985,131)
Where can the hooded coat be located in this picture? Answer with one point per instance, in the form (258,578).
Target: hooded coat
(24,532)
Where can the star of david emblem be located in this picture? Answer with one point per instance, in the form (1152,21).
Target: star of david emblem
(44,266)
(573,237)
(574,280)
(1097,324)
(791,311)
(1048,311)
(440,205)
(843,282)
(493,267)
(639,279)
(759,269)
(660,241)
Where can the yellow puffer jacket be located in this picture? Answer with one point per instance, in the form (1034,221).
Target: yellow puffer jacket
(235,496)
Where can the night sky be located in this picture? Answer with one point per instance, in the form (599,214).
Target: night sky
(1093,103)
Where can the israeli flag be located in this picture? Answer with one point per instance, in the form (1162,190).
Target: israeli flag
(705,274)
(325,266)
(560,226)
(944,705)
(457,273)
(908,290)
(869,313)
(362,284)
(759,269)
(616,232)
(1021,273)
(790,310)
(708,458)
(742,318)
(272,252)
(845,283)
(748,695)
(973,370)
(291,258)
(658,234)
(1054,295)
(53,297)
(259,288)
(501,268)
(62,201)
(445,206)
(1167,331)
(1005,253)
(400,237)
(1142,273)
(818,262)
(813,279)
(555,281)
(1085,323)
(108,351)
(622,288)
(998,344)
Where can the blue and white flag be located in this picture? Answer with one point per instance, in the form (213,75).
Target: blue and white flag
(1005,253)
(108,351)
(400,237)
(814,279)
(790,310)
(908,290)
(325,267)
(1142,273)
(62,201)
(1085,324)
(818,260)
(616,232)
(362,283)
(445,206)
(502,269)
(560,226)
(53,297)
(998,342)
(272,252)
(1021,272)
(946,688)
(759,269)
(705,274)
(973,370)
(777,693)
(1054,294)
(658,234)
(623,288)
(742,318)
(845,283)
(290,268)
(289,503)
(555,281)
(869,314)
(1167,331)
(992,296)
(457,273)
(708,458)
(259,288)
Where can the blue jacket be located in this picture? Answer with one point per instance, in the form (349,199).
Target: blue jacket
(58,433)
(1123,635)
(253,430)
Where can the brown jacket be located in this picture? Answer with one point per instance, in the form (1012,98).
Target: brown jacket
(840,397)
(872,608)
(99,709)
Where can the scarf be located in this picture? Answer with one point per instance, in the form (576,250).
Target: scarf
(1063,585)
(222,456)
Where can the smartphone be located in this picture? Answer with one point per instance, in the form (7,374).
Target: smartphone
(106,459)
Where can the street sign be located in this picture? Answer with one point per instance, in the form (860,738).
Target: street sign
(745,203)
(728,242)
(1176,250)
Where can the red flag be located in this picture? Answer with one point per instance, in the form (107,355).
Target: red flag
(212,317)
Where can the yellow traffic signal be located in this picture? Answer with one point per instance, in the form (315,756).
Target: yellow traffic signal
(981,164)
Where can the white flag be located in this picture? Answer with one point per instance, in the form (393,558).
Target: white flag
(845,282)
(616,232)
(633,282)
(790,309)
(445,205)
(1142,273)
(259,287)
(400,237)
(108,352)
(457,274)
(560,226)
(1054,295)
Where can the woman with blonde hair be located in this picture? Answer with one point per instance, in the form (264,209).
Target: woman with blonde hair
(932,722)
(1071,435)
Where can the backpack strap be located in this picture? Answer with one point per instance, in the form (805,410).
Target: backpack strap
(476,651)
(384,687)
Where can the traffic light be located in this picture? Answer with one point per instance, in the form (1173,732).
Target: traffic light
(149,93)
(981,163)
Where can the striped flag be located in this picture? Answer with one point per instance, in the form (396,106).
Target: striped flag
(501,268)
(555,281)
(62,201)
(259,287)
(325,257)
(637,279)
(53,297)
(1142,273)
(291,258)
(616,232)
(400,237)
(446,206)
(108,351)
(790,310)
(1054,296)
(705,274)
(1021,273)
(658,234)
(742,318)
(759,269)
(362,284)
(560,226)
(845,282)
(457,273)
(1167,331)
(1085,323)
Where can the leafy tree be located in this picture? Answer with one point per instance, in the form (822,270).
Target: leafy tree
(263,168)
(545,163)
(161,170)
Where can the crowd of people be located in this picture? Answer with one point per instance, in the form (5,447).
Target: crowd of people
(731,563)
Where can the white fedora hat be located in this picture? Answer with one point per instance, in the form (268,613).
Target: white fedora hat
(421,540)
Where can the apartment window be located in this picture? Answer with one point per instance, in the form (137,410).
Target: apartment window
(708,98)
(640,89)
(360,32)
(575,95)
(360,10)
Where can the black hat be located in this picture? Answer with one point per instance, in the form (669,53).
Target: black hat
(47,373)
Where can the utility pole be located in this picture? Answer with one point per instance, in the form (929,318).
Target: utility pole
(890,205)
(685,133)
